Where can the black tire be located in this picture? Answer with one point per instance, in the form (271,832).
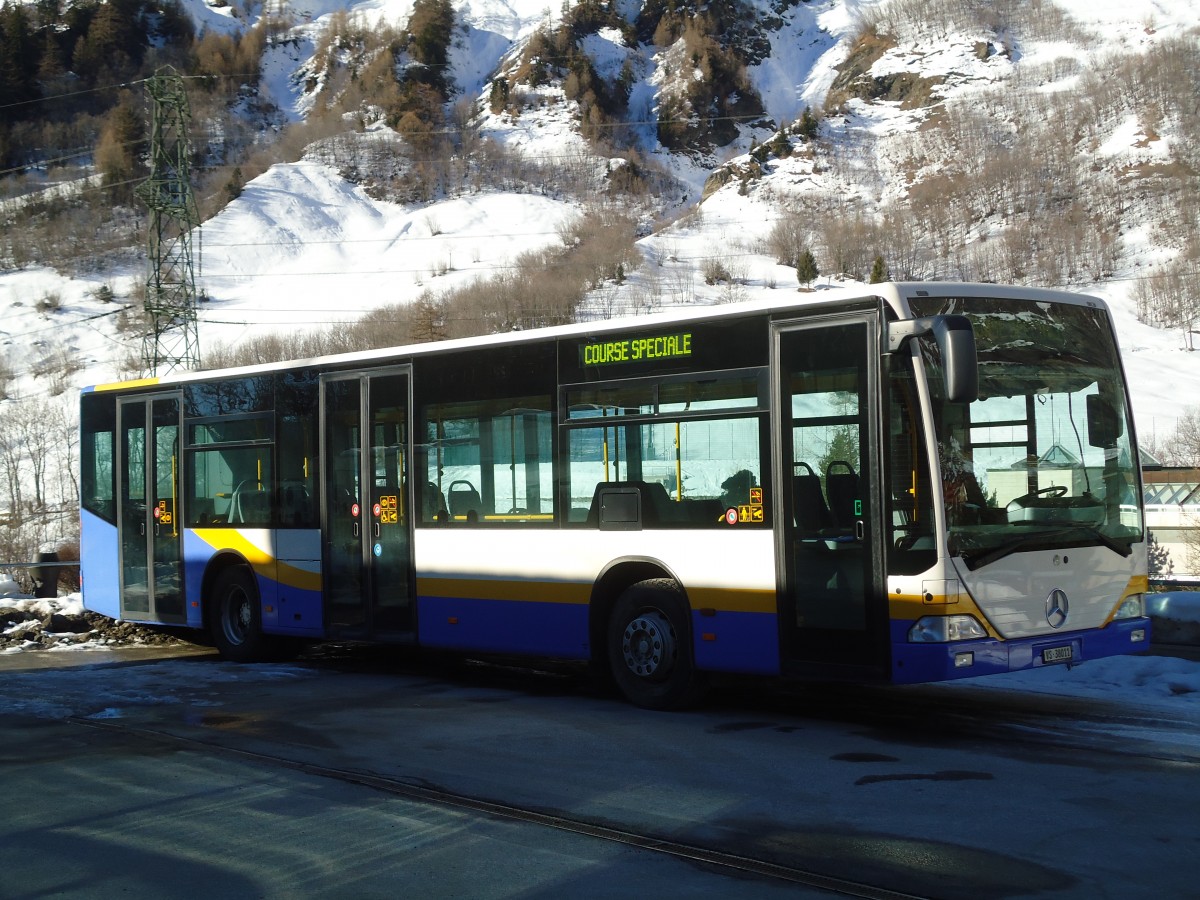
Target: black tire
(650,647)
(236,618)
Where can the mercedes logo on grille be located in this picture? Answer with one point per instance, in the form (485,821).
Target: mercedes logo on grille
(1057,607)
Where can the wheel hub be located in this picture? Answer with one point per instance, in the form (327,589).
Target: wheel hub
(237,616)
(648,645)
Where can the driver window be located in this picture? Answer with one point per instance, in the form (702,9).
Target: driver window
(912,545)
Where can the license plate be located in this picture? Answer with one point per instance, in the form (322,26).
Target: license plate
(1056,654)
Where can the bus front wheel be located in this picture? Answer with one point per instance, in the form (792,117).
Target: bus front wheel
(237,617)
(650,649)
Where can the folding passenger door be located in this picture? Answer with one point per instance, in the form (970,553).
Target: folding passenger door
(367,528)
(148,508)
(827,412)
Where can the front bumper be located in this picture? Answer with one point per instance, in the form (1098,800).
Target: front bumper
(918,663)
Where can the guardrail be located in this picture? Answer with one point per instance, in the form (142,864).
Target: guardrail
(1160,585)
(45,587)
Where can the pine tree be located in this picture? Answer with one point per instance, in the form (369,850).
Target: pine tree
(235,184)
(18,62)
(1160,559)
(626,80)
(428,319)
(114,44)
(119,149)
(498,97)
(879,271)
(807,126)
(806,267)
(51,67)
(431,26)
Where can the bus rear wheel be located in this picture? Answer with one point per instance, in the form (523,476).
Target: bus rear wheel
(650,647)
(237,616)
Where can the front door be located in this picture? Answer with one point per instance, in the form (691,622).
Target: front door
(831,606)
(367,526)
(148,496)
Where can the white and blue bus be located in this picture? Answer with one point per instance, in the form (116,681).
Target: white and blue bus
(900,482)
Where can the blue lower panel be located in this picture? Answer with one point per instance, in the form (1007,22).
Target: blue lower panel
(737,642)
(914,663)
(196,555)
(522,627)
(726,642)
(99,565)
(297,612)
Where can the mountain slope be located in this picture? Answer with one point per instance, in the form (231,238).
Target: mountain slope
(984,141)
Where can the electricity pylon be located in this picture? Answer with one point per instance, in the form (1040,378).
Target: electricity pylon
(173,341)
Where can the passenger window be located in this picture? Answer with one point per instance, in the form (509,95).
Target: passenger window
(689,473)
(297,429)
(99,423)
(230,487)
(298,471)
(229,476)
(487,462)
(680,453)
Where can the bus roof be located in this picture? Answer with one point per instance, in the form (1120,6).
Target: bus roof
(895,294)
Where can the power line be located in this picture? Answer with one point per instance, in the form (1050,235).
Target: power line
(94,90)
(117,86)
(58,326)
(398,239)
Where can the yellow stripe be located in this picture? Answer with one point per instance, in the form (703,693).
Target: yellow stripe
(302,579)
(510,517)
(492,589)
(121,385)
(263,562)
(1138,584)
(910,607)
(232,539)
(721,599)
(732,600)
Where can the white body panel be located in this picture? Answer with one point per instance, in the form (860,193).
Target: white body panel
(1012,591)
(718,558)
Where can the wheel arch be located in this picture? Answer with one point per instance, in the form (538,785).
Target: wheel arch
(617,577)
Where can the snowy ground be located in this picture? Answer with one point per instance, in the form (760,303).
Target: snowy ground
(63,625)
(1159,680)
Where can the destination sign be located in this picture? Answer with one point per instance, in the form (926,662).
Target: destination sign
(663,346)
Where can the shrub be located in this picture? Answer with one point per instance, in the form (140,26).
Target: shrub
(714,271)
(806,268)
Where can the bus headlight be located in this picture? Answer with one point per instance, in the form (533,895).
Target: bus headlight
(1131,607)
(943,629)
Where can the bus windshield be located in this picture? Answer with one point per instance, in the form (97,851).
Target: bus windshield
(1043,458)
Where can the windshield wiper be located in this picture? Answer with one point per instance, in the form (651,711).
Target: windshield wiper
(1026,542)
(1124,546)
(1037,541)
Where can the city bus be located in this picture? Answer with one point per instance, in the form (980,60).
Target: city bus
(897,482)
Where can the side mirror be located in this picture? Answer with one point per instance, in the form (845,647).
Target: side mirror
(1104,426)
(956,341)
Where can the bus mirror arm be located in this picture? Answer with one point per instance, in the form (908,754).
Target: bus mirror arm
(956,341)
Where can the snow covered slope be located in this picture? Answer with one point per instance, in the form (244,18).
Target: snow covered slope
(301,247)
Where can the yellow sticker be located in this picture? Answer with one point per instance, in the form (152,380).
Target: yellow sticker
(388,510)
(749,513)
